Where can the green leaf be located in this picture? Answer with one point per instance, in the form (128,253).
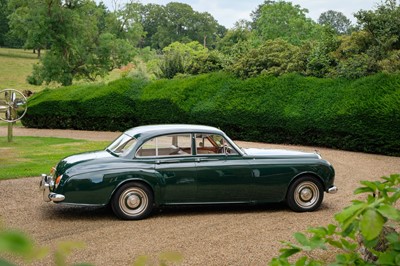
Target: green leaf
(393,239)
(141,260)
(371,243)
(279,262)
(317,242)
(341,259)
(395,196)
(372,185)
(318,231)
(301,262)
(363,190)
(371,224)
(171,257)
(287,252)
(389,212)
(302,239)
(5,263)
(347,216)
(15,242)
(351,229)
(331,229)
(348,245)
(335,243)
(386,259)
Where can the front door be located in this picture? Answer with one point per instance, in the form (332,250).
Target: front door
(222,175)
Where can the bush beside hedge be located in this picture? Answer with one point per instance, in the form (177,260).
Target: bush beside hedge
(361,115)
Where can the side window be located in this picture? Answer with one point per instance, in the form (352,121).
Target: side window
(168,145)
(213,144)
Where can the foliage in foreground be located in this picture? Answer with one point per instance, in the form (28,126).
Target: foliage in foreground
(364,233)
(19,246)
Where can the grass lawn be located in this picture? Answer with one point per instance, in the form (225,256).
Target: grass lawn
(17,64)
(32,156)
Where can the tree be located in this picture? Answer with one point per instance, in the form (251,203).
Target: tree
(337,20)
(274,57)
(204,26)
(125,23)
(177,22)
(353,57)
(28,21)
(319,54)
(284,20)
(241,32)
(191,58)
(383,25)
(77,48)
(151,16)
(3,21)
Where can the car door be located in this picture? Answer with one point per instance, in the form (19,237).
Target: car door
(175,165)
(222,174)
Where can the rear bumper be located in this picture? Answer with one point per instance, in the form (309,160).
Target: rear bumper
(332,190)
(45,183)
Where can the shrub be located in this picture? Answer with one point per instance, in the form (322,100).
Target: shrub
(274,57)
(361,115)
(89,107)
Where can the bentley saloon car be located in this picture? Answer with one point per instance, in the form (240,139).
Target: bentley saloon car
(160,165)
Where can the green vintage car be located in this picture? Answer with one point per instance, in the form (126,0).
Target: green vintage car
(159,165)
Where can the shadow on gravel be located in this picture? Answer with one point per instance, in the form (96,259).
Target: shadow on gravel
(219,209)
(66,212)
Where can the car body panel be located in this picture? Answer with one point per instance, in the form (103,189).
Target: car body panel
(237,175)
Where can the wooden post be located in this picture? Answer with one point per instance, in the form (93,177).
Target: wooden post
(10,131)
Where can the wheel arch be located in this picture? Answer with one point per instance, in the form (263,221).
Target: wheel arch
(135,180)
(305,192)
(303,174)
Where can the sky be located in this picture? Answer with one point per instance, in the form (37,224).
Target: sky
(227,12)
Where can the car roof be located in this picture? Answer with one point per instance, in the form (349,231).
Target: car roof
(154,130)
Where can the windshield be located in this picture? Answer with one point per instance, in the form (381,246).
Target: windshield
(122,145)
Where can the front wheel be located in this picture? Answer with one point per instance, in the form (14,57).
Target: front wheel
(132,201)
(305,194)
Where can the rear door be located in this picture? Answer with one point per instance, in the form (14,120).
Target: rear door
(175,166)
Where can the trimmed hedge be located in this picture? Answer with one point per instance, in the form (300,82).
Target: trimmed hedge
(361,115)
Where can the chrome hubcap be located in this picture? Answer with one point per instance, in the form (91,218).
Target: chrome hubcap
(133,201)
(306,194)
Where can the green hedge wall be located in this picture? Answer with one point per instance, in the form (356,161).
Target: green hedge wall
(361,115)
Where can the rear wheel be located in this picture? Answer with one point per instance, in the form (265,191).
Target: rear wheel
(132,201)
(305,194)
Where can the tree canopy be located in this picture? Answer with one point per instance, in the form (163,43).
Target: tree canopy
(337,20)
(85,40)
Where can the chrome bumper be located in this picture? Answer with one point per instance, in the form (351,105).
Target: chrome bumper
(48,196)
(333,190)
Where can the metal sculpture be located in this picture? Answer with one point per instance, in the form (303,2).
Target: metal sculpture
(13,106)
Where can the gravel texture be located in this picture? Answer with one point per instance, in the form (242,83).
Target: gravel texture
(218,235)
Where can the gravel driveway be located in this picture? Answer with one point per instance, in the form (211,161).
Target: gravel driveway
(223,235)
